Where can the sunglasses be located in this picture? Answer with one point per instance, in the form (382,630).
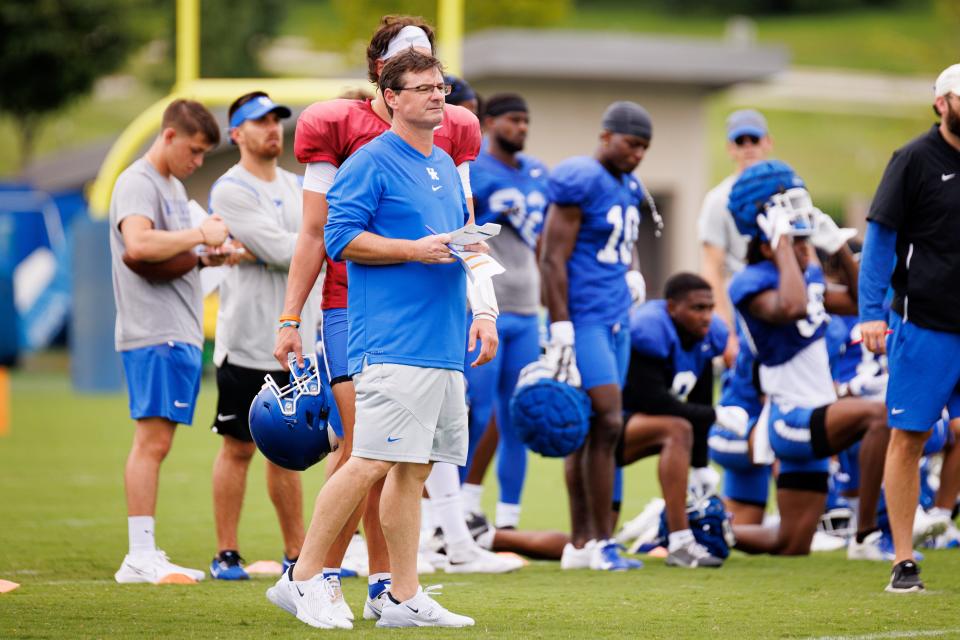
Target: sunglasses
(742,140)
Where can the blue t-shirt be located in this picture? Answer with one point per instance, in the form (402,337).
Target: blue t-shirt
(516,196)
(654,335)
(778,343)
(406,313)
(610,208)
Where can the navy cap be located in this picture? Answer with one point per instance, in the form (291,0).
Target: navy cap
(746,122)
(461,90)
(257,108)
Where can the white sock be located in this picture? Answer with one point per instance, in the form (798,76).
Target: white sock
(854,503)
(140,532)
(508,515)
(447,510)
(680,539)
(485,539)
(471,495)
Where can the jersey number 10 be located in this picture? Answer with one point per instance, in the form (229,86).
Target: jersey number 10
(626,229)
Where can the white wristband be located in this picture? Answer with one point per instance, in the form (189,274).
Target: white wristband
(483,299)
(561,333)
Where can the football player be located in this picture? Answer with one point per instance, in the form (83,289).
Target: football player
(588,241)
(782,297)
(509,188)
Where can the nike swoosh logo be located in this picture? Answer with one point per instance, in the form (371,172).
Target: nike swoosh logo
(437,187)
(223,418)
(180,405)
(412,609)
(392,439)
(298,590)
(947,176)
(897,412)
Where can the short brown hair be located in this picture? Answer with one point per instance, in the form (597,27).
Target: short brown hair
(191,117)
(389,27)
(409,61)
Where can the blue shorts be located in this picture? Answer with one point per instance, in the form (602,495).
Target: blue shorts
(603,354)
(924,375)
(798,437)
(333,418)
(750,486)
(333,335)
(163,381)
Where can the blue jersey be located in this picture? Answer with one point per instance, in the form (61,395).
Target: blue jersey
(515,196)
(407,313)
(610,209)
(737,386)
(795,367)
(654,335)
(848,358)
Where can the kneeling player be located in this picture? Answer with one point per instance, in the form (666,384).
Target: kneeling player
(672,342)
(783,300)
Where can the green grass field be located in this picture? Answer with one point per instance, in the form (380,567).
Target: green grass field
(63,534)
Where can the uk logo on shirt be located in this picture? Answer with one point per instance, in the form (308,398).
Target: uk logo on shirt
(433,173)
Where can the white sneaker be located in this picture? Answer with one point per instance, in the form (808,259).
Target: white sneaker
(424,564)
(152,567)
(869,549)
(373,608)
(823,541)
(479,560)
(644,525)
(340,605)
(421,611)
(573,558)
(432,551)
(926,526)
(310,600)
(356,558)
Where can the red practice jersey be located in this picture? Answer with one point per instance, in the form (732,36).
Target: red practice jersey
(331,131)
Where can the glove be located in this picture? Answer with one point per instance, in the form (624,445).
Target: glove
(637,286)
(734,419)
(775,223)
(827,235)
(560,358)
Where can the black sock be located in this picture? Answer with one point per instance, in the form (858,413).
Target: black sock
(862,535)
(392,599)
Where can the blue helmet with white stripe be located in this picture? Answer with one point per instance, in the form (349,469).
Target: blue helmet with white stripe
(755,189)
(289,424)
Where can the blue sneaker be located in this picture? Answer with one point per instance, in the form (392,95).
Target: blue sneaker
(227,566)
(606,557)
(287,563)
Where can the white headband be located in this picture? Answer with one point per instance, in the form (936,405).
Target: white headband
(408,38)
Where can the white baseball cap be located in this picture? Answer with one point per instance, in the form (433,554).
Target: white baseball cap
(948,82)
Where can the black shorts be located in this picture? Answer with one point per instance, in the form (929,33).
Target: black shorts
(236,389)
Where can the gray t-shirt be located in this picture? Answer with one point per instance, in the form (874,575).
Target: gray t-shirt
(265,217)
(518,290)
(150,313)
(716,226)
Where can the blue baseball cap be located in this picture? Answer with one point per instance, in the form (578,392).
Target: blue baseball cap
(746,122)
(257,108)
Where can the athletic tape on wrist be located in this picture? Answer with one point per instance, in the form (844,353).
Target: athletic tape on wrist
(482,297)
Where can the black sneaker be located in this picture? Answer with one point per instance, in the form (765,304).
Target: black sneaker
(905,578)
(478,524)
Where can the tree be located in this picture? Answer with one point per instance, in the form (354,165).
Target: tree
(52,52)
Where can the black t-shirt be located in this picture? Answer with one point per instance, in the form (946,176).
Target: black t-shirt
(919,197)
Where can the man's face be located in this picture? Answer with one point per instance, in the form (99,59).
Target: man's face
(693,311)
(262,137)
(747,150)
(419,102)
(184,153)
(510,130)
(624,151)
(950,113)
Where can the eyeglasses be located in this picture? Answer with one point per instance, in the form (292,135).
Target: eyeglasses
(426,89)
(742,140)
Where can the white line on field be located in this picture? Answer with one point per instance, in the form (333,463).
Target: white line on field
(918,633)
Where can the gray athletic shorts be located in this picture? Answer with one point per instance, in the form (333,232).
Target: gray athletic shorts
(410,414)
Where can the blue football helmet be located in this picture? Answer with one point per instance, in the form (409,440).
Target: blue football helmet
(289,424)
(767,184)
(709,522)
(552,418)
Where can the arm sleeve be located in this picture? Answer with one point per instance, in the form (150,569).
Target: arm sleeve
(318,176)
(240,207)
(876,267)
(352,201)
(135,195)
(463,169)
(702,396)
(648,391)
